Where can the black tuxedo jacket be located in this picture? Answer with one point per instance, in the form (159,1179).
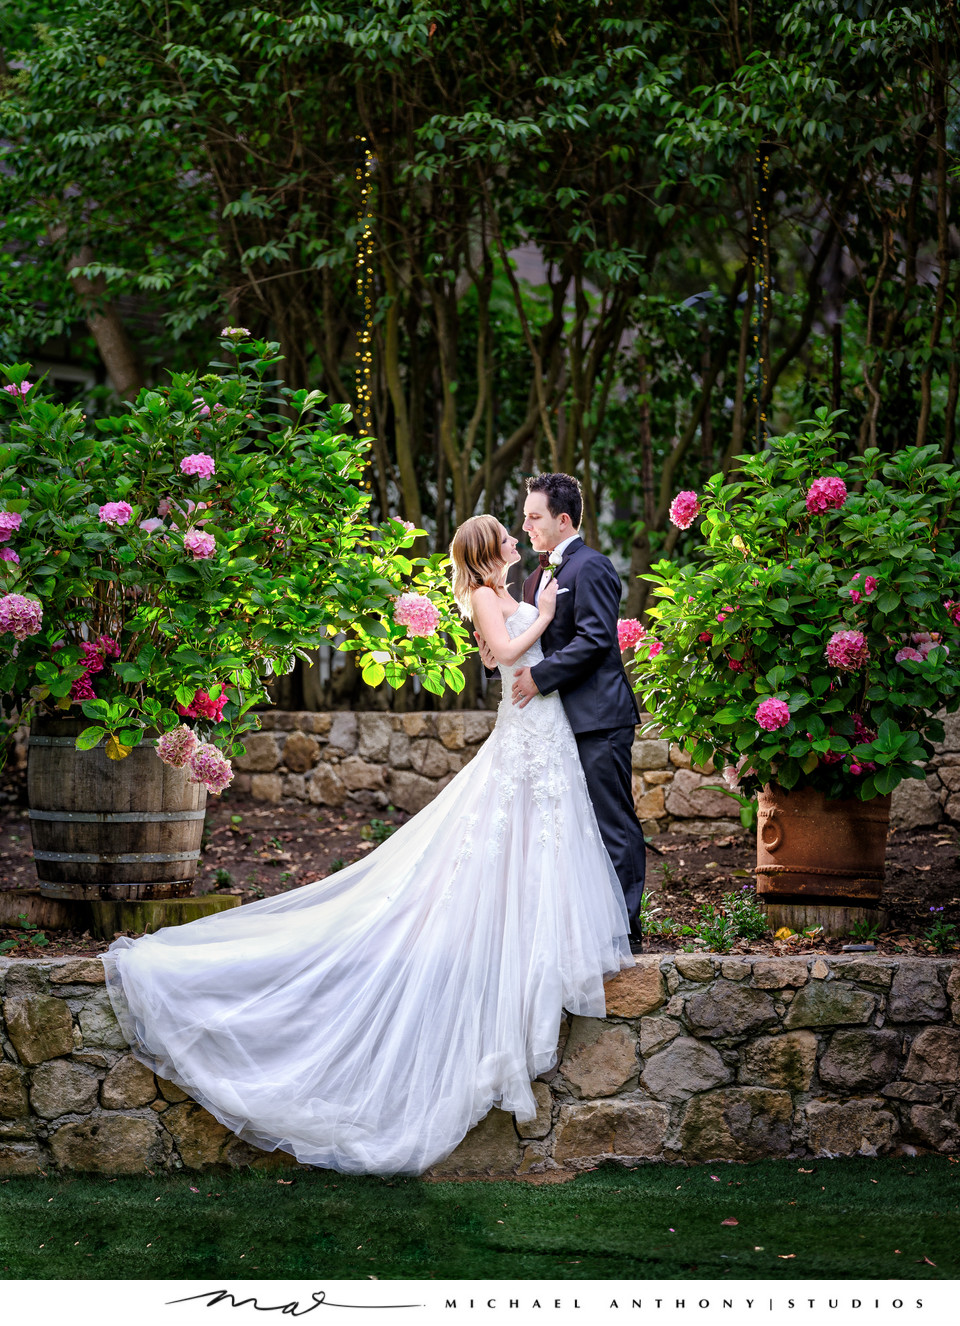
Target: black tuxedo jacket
(582,659)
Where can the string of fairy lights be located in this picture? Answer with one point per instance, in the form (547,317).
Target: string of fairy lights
(761,283)
(364,267)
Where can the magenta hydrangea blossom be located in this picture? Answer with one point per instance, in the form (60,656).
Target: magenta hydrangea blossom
(826,494)
(10,522)
(211,767)
(629,633)
(200,545)
(908,652)
(19,615)
(953,608)
(869,586)
(116,513)
(704,637)
(201,706)
(82,689)
(656,647)
(736,665)
(417,613)
(175,748)
(847,650)
(13,390)
(684,509)
(8,555)
(772,714)
(200,464)
(152,525)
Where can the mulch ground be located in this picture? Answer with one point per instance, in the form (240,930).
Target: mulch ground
(255,850)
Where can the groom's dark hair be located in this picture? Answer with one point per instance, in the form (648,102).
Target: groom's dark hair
(562,492)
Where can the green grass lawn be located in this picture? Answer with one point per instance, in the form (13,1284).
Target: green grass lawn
(845,1219)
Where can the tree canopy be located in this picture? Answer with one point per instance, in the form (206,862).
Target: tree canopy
(622,238)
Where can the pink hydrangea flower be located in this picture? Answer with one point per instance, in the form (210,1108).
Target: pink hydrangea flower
(826,494)
(953,608)
(417,613)
(19,615)
(82,689)
(8,555)
(847,650)
(204,409)
(10,522)
(92,660)
(199,544)
(629,633)
(116,513)
(869,585)
(908,653)
(175,748)
(12,389)
(408,525)
(200,464)
(152,525)
(704,637)
(201,706)
(772,714)
(684,509)
(656,647)
(732,773)
(211,767)
(235,331)
(736,665)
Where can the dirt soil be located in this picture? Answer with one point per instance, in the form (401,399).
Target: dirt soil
(256,850)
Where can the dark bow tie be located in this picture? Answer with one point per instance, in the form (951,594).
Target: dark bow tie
(544,560)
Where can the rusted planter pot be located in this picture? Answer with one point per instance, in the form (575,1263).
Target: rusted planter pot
(812,848)
(111,829)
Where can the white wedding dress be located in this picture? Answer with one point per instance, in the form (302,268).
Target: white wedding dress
(366,1021)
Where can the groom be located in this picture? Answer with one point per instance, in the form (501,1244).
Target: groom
(582,662)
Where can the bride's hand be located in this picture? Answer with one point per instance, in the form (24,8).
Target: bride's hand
(547,604)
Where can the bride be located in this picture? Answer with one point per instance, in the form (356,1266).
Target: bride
(365,1022)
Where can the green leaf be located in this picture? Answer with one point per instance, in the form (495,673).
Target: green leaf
(90,737)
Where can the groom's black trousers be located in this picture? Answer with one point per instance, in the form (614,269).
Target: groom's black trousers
(607,763)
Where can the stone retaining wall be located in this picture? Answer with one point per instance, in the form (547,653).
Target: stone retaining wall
(699,1058)
(405,759)
(377,759)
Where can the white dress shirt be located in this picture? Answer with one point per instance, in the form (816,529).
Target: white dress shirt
(559,548)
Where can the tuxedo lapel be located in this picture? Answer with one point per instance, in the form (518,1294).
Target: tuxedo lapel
(530,586)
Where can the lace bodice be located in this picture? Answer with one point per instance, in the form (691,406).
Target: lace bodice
(516,624)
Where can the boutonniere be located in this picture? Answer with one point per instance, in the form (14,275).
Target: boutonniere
(554,562)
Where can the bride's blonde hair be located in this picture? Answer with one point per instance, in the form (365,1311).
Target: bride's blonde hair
(477,557)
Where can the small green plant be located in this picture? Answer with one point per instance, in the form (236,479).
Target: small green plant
(32,935)
(864,932)
(223,879)
(715,930)
(941,934)
(669,872)
(377,831)
(748,917)
(651,924)
(287,874)
(336,864)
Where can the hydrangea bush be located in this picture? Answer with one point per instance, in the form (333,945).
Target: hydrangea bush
(814,636)
(169,562)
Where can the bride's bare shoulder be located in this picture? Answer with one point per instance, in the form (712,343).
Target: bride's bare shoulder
(488,597)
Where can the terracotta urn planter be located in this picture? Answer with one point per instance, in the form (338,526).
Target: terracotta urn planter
(820,861)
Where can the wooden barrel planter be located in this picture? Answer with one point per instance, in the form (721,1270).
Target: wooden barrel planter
(109,829)
(820,861)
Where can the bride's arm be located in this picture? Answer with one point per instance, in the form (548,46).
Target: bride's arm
(488,618)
